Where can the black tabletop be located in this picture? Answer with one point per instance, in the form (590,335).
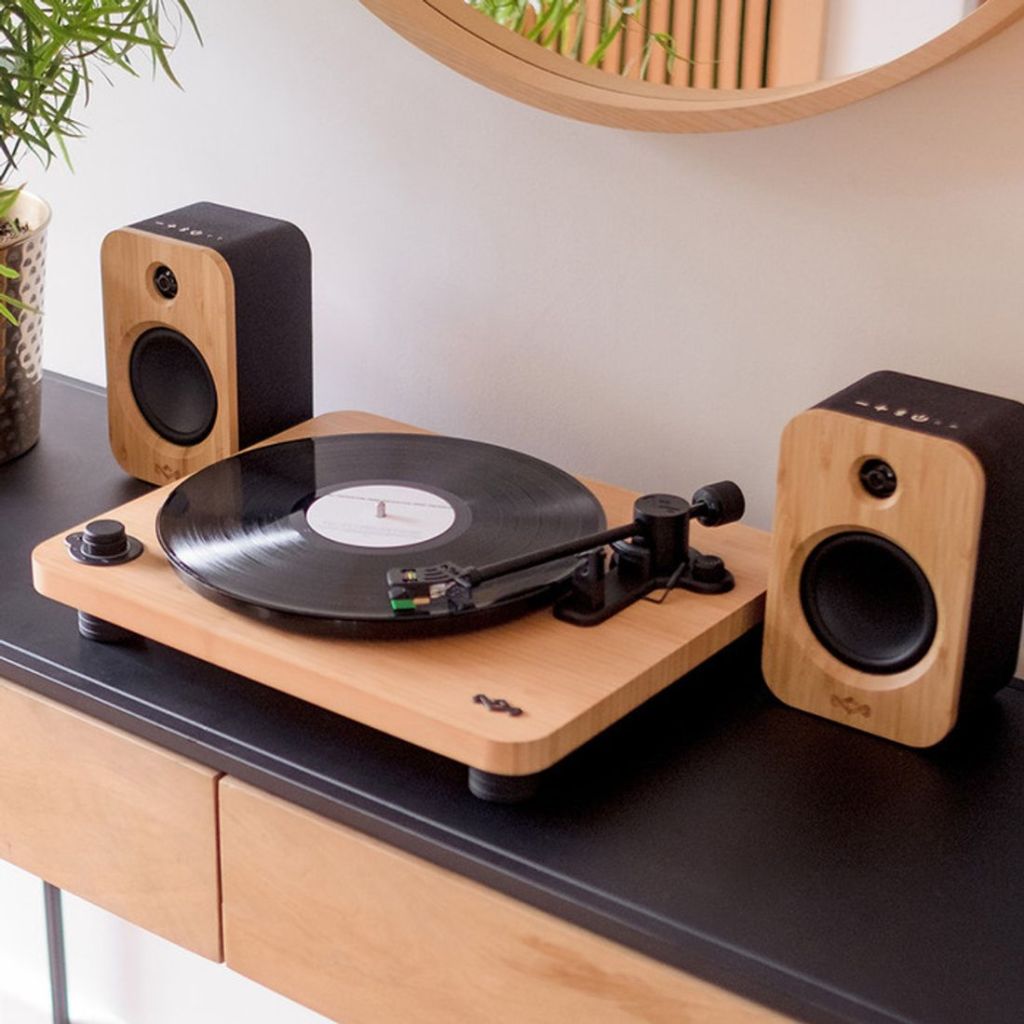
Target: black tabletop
(823,872)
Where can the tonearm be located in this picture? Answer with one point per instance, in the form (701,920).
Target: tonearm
(650,553)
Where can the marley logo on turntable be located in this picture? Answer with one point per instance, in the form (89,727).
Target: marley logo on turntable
(497,704)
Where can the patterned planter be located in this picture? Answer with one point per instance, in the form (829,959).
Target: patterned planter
(21,346)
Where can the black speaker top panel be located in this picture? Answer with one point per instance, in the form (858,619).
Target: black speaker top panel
(274,339)
(986,424)
(223,228)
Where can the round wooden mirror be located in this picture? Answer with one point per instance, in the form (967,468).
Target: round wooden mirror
(690,65)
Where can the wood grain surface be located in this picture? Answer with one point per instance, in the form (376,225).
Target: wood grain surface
(571,682)
(934,515)
(203,311)
(111,818)
(367,934)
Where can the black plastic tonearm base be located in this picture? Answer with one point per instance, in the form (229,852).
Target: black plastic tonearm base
(598,591)
(658,556)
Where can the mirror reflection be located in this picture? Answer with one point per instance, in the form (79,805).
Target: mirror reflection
(728,44)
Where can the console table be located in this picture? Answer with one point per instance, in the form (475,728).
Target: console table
(713,857)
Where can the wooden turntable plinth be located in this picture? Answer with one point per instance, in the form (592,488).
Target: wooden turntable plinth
(569,682)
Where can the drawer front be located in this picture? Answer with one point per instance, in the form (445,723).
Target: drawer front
(367,934)
(110,818)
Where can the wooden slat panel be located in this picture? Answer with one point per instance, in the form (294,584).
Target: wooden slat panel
(754,35)
(659,13)
(633,46)
(367,934)
(796,41)
(570,36)
(613,55)
(592,29)
(704,44)
(110,818)
(682,33)
(729,31)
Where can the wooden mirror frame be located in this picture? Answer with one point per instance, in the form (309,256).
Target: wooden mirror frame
(470,43)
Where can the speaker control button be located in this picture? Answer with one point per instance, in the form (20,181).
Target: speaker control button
(165,282)
(878,478)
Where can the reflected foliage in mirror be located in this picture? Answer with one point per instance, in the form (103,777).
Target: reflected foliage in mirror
(694,65)
(727,44)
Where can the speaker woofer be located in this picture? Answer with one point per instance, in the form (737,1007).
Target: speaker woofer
(173,386)
(868,602)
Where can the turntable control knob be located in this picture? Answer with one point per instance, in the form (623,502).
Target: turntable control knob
(707,569)
(104,538)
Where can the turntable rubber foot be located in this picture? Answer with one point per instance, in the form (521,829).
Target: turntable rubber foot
(503,789)
(103,632)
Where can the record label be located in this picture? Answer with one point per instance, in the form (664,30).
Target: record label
(380,516)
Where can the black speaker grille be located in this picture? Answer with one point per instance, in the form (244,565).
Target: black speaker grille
(173,386)
(868,602)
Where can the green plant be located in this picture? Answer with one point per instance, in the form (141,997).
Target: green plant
(50,56)
(559,25)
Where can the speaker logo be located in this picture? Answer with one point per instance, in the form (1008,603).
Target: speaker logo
(851,706)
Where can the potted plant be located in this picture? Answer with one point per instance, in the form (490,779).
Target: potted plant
(50,54)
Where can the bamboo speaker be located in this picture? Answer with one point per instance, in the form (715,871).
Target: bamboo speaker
(208,324)
(896,586)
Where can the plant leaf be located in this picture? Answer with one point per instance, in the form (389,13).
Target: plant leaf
(51,52)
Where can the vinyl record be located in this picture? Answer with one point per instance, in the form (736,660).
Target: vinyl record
(303,534)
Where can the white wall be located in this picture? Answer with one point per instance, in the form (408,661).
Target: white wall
(646,309)
(117,973)
(23,967)
(860,34)
(650,309)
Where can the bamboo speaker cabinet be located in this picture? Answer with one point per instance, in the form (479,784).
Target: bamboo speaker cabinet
(897,569)
(208,324)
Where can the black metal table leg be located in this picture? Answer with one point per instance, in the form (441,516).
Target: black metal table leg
(55,950)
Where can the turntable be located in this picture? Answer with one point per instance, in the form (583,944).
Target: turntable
(461,596)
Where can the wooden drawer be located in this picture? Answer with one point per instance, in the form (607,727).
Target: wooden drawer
(110,818)
(367,934)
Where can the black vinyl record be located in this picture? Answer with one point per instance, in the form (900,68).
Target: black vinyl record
(303,533)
